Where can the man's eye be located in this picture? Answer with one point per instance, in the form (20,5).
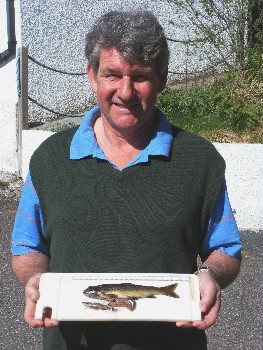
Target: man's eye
(112,77)
(140,78)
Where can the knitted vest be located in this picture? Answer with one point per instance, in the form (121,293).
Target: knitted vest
(151,217)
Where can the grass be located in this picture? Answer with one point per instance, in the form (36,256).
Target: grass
(228,109)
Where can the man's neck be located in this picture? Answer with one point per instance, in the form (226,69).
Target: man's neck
(120,147)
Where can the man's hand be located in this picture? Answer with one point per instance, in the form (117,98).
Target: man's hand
(32,295)
(225,268)
(24,267)
(210,294)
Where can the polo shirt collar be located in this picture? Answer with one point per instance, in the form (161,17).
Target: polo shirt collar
(84,143)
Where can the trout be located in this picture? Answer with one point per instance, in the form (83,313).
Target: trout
(128,291)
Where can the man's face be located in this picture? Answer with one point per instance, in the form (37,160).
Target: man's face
(126,93)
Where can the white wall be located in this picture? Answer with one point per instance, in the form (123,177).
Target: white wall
(10,162)
(31,139)
(244,175)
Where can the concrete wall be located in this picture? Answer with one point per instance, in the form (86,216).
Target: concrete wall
(244,175)
(31,140)
(10,160)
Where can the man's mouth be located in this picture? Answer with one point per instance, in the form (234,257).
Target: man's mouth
(122,106)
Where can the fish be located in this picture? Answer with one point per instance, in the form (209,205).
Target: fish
(112,305)
(97,306)
(130,304)
(129,291)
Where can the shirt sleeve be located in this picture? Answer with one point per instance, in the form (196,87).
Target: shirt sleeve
(222,234)
(28,232)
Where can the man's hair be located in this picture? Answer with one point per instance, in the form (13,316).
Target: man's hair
(136,35)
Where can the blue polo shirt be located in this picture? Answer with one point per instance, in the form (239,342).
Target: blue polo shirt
(29,233)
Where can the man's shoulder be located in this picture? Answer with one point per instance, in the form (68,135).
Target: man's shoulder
(184,137)
(59,139)
(194,145)
(54,147)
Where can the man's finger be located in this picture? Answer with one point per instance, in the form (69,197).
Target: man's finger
(209,291)
(184,324)
(29,314)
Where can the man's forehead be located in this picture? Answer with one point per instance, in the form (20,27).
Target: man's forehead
(111,59)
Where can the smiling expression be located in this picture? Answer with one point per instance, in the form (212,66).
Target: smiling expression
(126,93)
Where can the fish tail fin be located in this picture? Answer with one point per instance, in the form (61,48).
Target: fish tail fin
(169,290)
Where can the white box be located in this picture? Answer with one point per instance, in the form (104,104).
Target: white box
(63,293)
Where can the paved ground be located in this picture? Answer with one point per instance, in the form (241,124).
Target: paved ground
(239,326)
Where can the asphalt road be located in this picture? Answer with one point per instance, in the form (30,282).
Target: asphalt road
(239,326)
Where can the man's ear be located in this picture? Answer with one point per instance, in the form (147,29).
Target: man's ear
(163,81)
(92,78)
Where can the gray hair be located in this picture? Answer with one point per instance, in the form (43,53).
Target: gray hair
(137,35)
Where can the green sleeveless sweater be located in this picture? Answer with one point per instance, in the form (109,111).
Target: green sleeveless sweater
(151,217)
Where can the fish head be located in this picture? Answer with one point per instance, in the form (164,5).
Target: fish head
(93,292)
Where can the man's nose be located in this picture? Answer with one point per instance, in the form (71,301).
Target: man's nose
(126,89)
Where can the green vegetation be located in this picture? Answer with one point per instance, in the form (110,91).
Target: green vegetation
(232,28)
(228,109)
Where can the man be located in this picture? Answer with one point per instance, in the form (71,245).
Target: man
(126,192)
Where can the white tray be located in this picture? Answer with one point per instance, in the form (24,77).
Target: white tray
(63,293)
